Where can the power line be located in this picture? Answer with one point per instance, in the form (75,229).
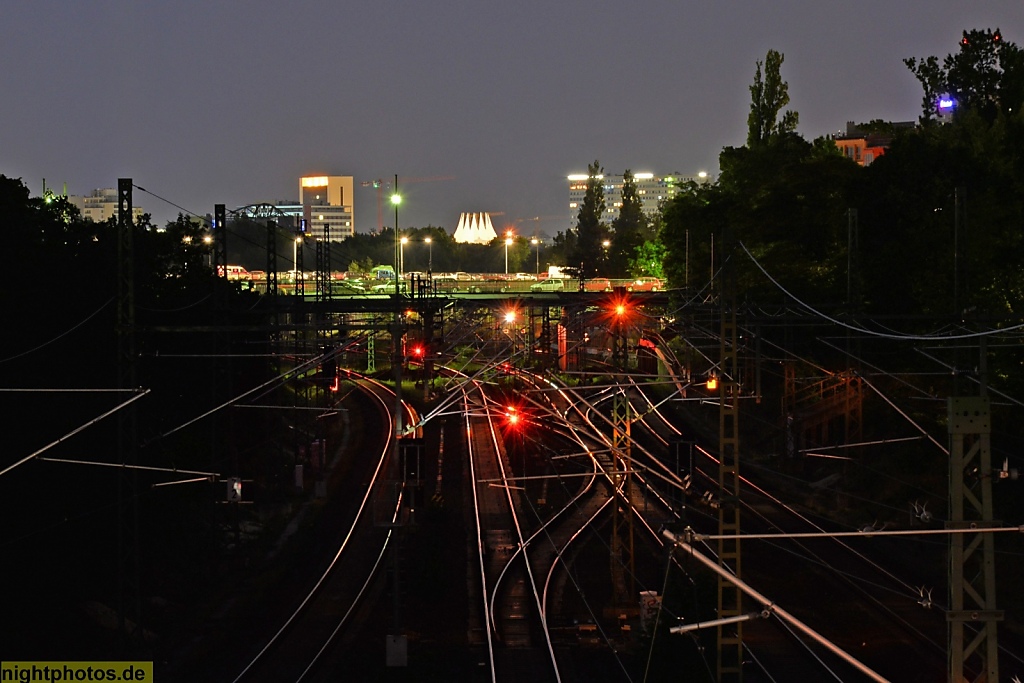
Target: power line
(59,336)
(689,533)
(76,430)
(168,201)
(862,330)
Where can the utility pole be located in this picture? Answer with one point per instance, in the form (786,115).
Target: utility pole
(396,644)
(130,599)
(623,564)
(972,615)
(730,598)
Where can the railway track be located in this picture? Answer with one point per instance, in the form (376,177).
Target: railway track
(309,643)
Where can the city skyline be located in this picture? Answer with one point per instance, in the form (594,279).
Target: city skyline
(485,108)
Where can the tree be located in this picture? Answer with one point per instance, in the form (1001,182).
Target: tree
(986,76)
(628,229)
(783,199)
(590,231)
(953,195)
(768,96)
(647,260)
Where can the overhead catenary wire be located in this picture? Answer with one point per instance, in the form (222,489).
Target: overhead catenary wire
(232,401)
(873,333)
(775,609)
(59,336)
(76,430)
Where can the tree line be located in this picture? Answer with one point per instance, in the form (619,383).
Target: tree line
(933,226)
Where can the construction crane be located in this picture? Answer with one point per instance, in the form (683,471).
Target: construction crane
(536,222)
(380,185)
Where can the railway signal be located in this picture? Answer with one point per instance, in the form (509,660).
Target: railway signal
(234,490)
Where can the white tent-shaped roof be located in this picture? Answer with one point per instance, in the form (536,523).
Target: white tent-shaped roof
(475,228)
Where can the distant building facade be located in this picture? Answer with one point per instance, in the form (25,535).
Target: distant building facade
(651,189)
(324,205)
(865,147)
(101,205)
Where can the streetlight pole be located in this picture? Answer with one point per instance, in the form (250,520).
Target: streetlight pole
(396,335)
(508,241)
(396,199)
(430,254)
(536,243)
(396,362)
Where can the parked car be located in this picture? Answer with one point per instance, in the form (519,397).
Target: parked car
(348,287)
(646,284)
(525,276)
(597,284)
(549,285)
(389,288)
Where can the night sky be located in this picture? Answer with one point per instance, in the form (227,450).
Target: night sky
(230,102)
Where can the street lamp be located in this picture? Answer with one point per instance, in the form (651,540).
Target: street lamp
(508,241)
(208,241)
(396,333)
(430,254)
(536,243)
(396,199)
(295,259)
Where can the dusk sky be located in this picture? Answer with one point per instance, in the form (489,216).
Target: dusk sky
(231,102)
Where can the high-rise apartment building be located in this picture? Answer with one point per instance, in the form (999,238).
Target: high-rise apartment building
(651,189)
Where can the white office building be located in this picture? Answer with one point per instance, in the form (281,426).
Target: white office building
(101,205)
(650,188)
(324,202)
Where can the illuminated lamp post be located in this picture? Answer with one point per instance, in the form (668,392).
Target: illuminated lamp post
(508,241)
(401,254)
(295,259)
(396,334)
(536,243)
(510,329)
(430,254)
(396,199)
